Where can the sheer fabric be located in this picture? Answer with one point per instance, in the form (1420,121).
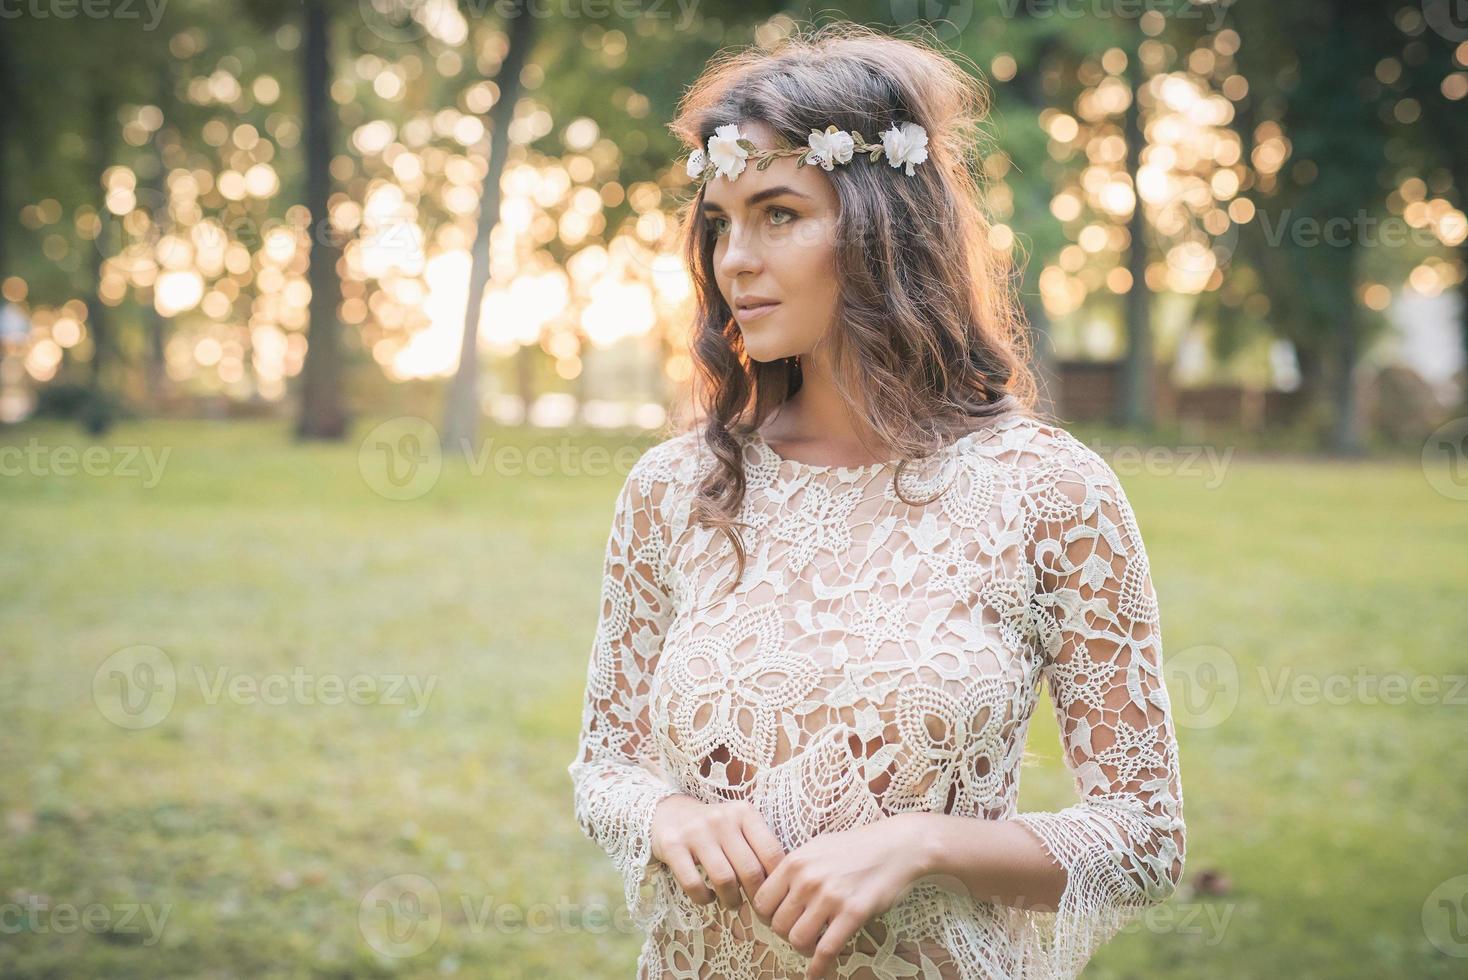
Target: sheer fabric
(876,658)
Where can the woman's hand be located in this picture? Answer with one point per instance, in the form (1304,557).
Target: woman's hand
(838,882)
(730,841)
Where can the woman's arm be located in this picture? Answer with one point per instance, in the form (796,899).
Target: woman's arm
(615,775)
(998,861)
(1071,878)
(1121,847)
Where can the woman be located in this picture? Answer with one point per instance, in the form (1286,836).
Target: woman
(827,609)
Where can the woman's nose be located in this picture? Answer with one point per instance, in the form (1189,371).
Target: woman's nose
(741,253)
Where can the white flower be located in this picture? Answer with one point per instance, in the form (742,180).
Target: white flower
(908,145)
(697,160)
(832,146)
(725,151)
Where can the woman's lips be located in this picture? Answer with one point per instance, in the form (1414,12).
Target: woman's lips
(754,312)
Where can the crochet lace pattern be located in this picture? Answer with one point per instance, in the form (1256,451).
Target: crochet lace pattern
(877,658)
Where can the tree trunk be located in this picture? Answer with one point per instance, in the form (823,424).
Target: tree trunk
(7,106)
(156,372)
(322,413)
(156,187)
(525,380)
(1029,82)
(97,416)
(461,414)
(1333,270)
(1136,409)
(1346,430)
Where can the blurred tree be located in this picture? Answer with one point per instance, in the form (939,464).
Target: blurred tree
(1137,408)
(155,192)
(1037,49)
(9,164)
(462,411)
(322,412)
(1430,50)
(71,127)
(617,86)
(1311,65)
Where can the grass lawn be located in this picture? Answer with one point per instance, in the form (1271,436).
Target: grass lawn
(270,824)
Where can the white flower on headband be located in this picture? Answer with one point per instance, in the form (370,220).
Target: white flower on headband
(832,146)
(907,145)
(728,151)
(697,160)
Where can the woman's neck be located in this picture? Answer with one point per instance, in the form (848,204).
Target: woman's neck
(817,420)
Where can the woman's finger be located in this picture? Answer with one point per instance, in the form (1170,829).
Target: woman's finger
(746,863)
(772,895)
(805,935)
(720,873)
(832,941)
(763,840)
(685,871)
(783,919)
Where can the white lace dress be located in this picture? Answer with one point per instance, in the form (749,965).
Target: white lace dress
(879,658)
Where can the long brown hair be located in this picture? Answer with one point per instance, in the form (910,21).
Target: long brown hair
(927,327)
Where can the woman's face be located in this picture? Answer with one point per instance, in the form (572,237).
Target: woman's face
(775,234)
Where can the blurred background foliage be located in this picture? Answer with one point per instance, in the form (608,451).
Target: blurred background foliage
(1238,217)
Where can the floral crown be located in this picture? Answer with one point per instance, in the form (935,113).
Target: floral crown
(729,150)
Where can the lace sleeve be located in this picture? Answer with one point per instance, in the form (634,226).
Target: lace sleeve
(1098,628)
(616,777)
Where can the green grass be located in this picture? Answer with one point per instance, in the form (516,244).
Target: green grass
(260,829)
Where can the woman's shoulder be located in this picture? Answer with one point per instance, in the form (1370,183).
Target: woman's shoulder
(666,472)
(678,459)
(1036,450)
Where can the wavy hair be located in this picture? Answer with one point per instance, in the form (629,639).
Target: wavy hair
(927,326)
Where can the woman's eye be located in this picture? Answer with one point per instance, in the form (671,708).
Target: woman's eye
(719,224)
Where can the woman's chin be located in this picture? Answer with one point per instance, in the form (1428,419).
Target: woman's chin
(764,347)
(766,354)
